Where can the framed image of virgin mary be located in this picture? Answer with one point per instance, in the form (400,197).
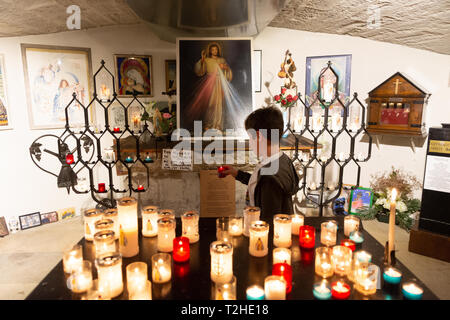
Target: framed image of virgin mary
(134,75)
(214,85)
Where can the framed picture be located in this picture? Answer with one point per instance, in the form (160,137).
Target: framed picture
(49,217)
(257,70)
(5,121)
(315,200)
(31,220)
(341,64)
(3,227)
(171,75)
(360,198)
(214,84)
(134,75)
(67,213)
(52,75)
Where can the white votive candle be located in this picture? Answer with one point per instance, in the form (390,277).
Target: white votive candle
(275,288)
(150,221)
(104,241)
(189,226)
(251,214)
(297,221)
(109,270)
(81,278)
(235,226)
(137,276)
(73,259)
(114,216)
(259,239)
(281,255)
(91,216)
(328,233)
(161,267)
(166,234)
(143,293)
(282,230)
(221,261)
(128,226)
(351,223)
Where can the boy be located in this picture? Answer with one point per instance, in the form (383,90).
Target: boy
(274,181)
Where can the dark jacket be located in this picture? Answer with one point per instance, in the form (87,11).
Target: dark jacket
(273,193)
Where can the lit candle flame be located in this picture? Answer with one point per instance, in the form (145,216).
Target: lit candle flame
(393,195)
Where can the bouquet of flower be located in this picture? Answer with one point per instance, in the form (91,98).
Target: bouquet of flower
(285,101)
(406,206)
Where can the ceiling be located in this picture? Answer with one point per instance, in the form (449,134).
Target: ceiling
(414,23)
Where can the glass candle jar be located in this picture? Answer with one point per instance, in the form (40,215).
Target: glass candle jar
(281,255)
(275,288)
(161,267)
(189,226)
(113,215)
(150,221)
(322,290)
(226,291)
(103,225)
(255,292)
(259,239)
(340,290)
(221,261)
(366,276)
(166,234)
(137,276)
(222,229)
(104,242)
(351,223)
(392,275)
(412,291)
(166,213)
(323,264)
(81,278)
(282,228)
(73,259)
(357,237)
(307,237)
(284,270)
(109,271)
(251,214)
(297,222)
(235,226)
(90,217)
(342,260)
(128,226)
(181,250)
(349,244)
(360,257)
(144,292)
(328,233)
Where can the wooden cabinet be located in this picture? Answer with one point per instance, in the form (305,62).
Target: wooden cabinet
(397,106)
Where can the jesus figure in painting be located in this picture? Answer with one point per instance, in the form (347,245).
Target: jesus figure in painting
(208,103)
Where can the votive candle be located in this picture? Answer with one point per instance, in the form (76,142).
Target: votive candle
(360,257)
(323,263)
(255,292)
(297,222)
(104,241)
(166,234)
(109,270)
(137,276)
(166,213)
(328,233)
(235,226)
(161,267)
(221,261)
(73,259)
(412,291)
(90,217)
(259,239)
(351,223)
(349,244)
(81,278)
(342,260)
(322,290)
(226,291)
(251,214)
(189,226)
(307,237)
(144,292)
(181,250)
(282,230)
(284,270)
(150,221)
(275,288)
(128,226)
(113,215)
(392,275)
(340,290)
(357,237)
(366,276)
(222,224)
(103,225)
(281,255)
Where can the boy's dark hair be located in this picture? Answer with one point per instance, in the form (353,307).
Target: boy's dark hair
(266,118)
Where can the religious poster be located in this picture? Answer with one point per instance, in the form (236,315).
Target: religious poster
(52,75)
(341,65)
(214,83)
(134,75)
(4,119)
(217,195)
(171,75)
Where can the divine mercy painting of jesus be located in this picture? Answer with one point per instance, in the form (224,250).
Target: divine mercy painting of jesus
(215,83)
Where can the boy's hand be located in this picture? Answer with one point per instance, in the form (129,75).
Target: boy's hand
(226,170)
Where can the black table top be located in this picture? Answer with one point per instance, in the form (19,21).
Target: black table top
(191,280)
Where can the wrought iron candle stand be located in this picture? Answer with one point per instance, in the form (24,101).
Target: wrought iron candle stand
(342,163)
(91,142)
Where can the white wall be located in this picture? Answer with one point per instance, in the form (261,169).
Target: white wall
(24,188)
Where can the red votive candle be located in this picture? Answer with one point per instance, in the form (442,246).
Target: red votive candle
(284,270)
(349,244)
(181,249)
(101,187)
(69,158)
(340,290)
(307,237)
(116,129)
(140,187)
(221,169)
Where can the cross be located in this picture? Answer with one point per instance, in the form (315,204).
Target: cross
(397,82)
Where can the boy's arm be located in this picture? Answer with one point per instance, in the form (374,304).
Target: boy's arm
(271,197)
(243,177)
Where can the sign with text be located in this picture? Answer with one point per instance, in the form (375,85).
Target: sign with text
(177,159)
(217,195)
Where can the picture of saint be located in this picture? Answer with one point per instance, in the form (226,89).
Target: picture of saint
(360,199)
(133,75)
(215,83)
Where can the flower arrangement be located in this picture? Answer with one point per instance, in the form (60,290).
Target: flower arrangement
(285,101)
(406,205)
(164,122)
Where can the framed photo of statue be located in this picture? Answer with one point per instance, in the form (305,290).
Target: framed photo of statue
(134,75)
(214,77)
(341,64)
(5,118)
(52,75)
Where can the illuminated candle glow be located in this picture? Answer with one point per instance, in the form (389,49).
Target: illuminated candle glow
(166,234)
(251,214)
(161,267)
(281,255)
(114,216)
(282,230)
(109,270)
(255,292)
(328,233)
(340,290)
(307,237)
(181,250)
(351,223)
(275,288)
(221,261)
(297,222)
(128,226)
(150,221)
(259,239)
(137,276)
(91,216)
(235,226)
(322,290)
(73,259)
(189,228)
(323,263)
(284,270)
(81,278)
